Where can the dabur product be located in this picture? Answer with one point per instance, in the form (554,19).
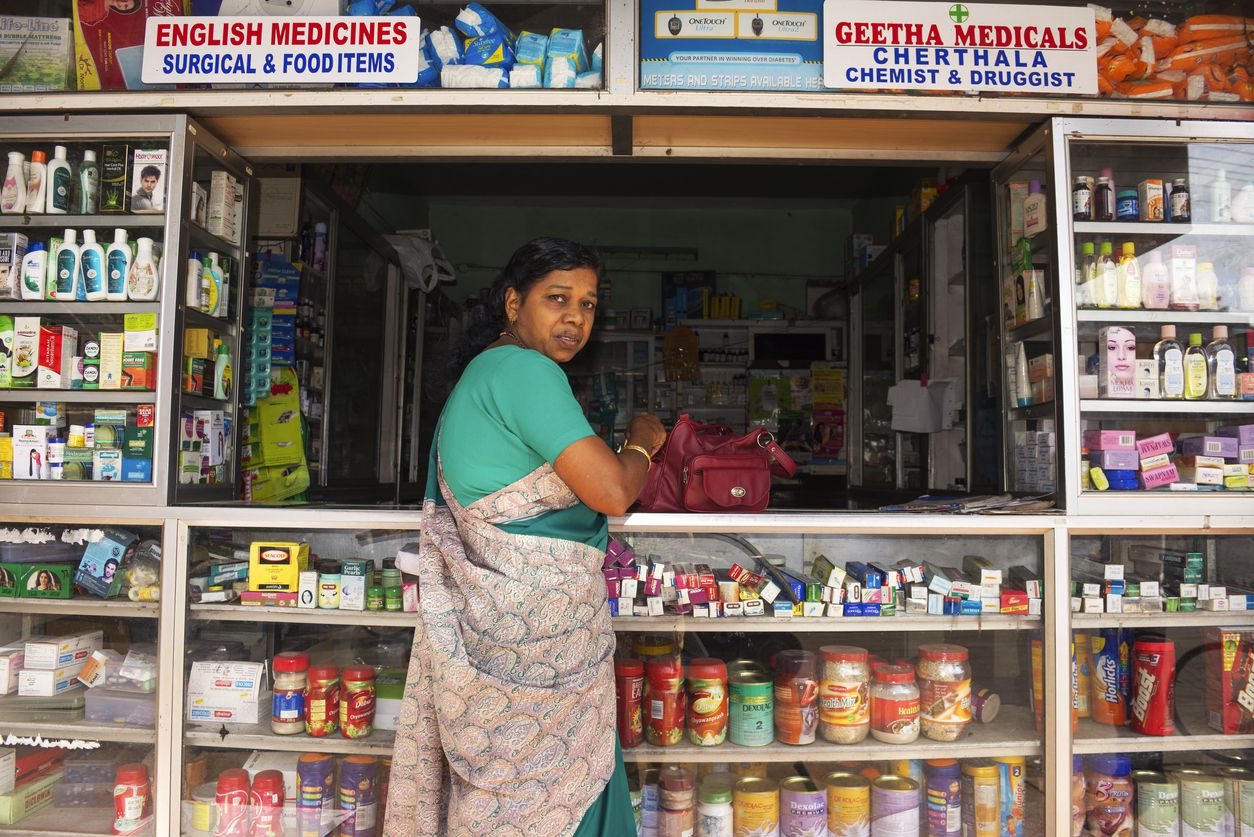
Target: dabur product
(707,702)
(1153,687)
(666,701)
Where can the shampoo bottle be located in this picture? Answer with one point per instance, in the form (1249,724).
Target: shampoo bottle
(222,376)
(1155,283)
(1221,198)
(37,184)
(141,282)
(1107,277)
(217,302)
(13,193)
(193,296)
(117,266)
(1129,278)
(88,185)
(1035,213)
(1169,360)
(1221,366)
(1196,385)
(60,182)
(91,263)
(67,268)
(34,271)
(1023,388)
(1207,287)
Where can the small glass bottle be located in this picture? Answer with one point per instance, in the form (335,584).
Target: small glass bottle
(1104,200)
(1082,199)
(1196,383)
(1221,363)
(1169,361)
(1181,205)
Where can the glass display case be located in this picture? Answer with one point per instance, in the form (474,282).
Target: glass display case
(1161,684)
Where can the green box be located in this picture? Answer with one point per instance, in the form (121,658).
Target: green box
(115,162)
(45,581)
(33,796)
(78,464)
(138,443)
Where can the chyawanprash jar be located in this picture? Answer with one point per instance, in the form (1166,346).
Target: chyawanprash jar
(357,702)
(664,701)
(944,691)
(894,705)
(707,702)
(322,703)
(844,694)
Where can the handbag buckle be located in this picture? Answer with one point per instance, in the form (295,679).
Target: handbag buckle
(737,492)
(765,439)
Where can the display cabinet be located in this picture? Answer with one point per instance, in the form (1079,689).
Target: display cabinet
(116,356)
(80,603)
(1142,328)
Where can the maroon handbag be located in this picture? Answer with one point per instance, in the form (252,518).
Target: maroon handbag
(706,468)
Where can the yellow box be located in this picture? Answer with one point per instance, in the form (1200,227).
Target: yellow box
(276,566)
(196,342)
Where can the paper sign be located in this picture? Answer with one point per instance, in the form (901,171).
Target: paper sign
(268,50)
(955,46)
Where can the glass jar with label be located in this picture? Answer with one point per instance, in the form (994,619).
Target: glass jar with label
(357,702)
(944,691)
(291,687)
(322,705)
(844,694)
(796,697)
(894,705)
(329,584)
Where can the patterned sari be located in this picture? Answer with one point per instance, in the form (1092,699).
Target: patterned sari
(506,724)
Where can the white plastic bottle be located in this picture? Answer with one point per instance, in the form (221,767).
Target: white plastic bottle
(34,271)
(13,193)
(1207,287)
(1129,278)
(1156,283)
(67,268)
(1221,366)
(1023,389)
(91,263)
(1245,290)
(37,184)
(117,267)
(141,282)
(1107,277)
(194,284)
(1221,198)
(88,185)
(60,182)
(213,272)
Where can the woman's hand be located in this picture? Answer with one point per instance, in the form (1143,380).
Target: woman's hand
(646,431)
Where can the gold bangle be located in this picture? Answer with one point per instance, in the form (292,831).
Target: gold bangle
(643,452)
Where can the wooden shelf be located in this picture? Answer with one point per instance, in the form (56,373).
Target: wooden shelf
(1093,737)
(825,624)
(84,730)
(221,325)
(202,238)
(261,737)
(116,608)
(251,613)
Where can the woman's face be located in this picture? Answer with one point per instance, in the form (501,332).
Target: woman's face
(555,317)
(1121,348)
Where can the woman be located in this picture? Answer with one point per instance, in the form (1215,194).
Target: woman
(507,727)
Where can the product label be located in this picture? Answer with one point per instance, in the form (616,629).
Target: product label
(844,703)
(1195,375)
(945,702)
(895,717)
(1082,203)
(707,712)
(117,272)
(288,705)
(357,713)
(1173,372)
(1225,373)
(322,717)
(752,720)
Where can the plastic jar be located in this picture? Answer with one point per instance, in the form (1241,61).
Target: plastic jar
(329,584)
(392,590)
(944,691)
(1127,206)
(374,597)
(322,704)
(844,694)
(894,705)
(677,795)
(796,697)
(714,807)
(132,800)
(629,686)
(1108,794)
(707,702)
(665,701)
(1077,796)
(291,686)
(649,646)
(357,702)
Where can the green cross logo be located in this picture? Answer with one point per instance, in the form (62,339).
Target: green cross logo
(958,13)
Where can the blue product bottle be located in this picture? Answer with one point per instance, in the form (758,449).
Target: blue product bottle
(68,284)
(91,265)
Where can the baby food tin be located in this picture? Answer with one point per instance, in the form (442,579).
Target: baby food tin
(894,806)
(755,805)
(1201,804)
(1011,794)
(1238,800)
(943,798)
(751,707)
(848,805)
(802,808)
(981,784)
(1157,804)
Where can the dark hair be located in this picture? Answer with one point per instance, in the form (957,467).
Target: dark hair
(529,264)
(150,171)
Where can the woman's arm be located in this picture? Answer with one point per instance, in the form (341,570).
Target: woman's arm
(603,480)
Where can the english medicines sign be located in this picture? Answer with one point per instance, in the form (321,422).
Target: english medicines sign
(284,50)
(869,45)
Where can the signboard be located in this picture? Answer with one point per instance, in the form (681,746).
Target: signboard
(731,45)
(294,50)
(871,45)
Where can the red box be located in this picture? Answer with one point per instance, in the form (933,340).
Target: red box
(145,415)
(1014,601)
(101,31)
(1229,680)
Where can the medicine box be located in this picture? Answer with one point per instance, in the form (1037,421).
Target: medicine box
(114,162)
(57,346)
(140,333)
(53,652)
(11,662)
(139,371)
(1150,206)
(35,682)
(276,566)
(226,692)
(8,769)
(30,451)
(28,798)
(111,343)
(24,363)
(353,575)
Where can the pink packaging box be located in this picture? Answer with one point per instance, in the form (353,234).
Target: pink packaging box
(612,587)
(1110,440)
(1155,445)
(653,587)
(1159,477)
(1243,433)
(1224,446)
(1116,368)
(1117,460)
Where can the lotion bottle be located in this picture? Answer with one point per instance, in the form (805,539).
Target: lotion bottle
(194,284)
(1086,276)
(91,261)
(1107,277)
(34,271)
(1129,278)
(1169,359)
(1155,283)
(1221,198)
(60,182)
(117,266)
(13,193)
(1196,385)
(141,282)
(1207,287)
(88,185)
(67,268)
(217,303)
(37,184)
(222,376)
(1221,363)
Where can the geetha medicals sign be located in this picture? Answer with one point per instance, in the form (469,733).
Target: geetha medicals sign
(959,47)
(294,50)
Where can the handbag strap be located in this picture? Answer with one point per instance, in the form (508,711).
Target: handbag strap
(776,453)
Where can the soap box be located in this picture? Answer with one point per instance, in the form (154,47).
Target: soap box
(1110,440)
(1119,460)
(1155,446)
(1225,446)
(1243,433)
(1158,477)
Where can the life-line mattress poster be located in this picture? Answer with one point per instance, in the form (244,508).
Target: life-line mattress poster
(945,47)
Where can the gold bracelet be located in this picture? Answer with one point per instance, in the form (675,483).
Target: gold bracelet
(642,451)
